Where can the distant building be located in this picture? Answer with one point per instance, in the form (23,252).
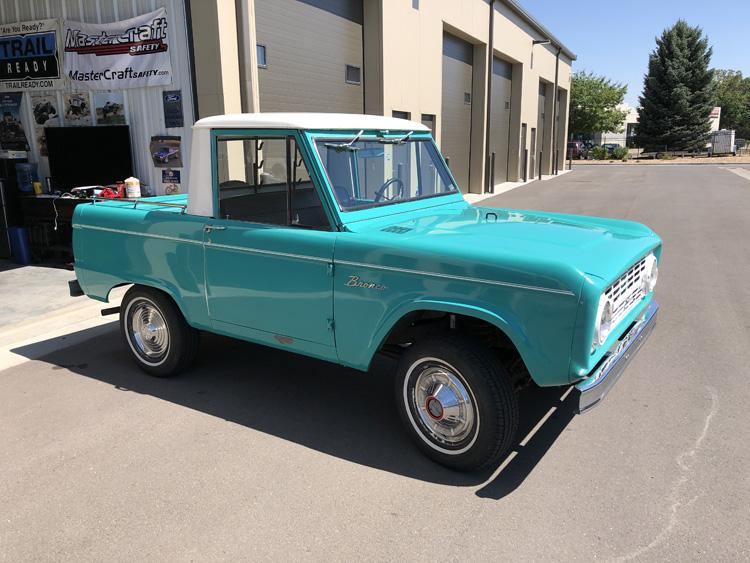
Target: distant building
(625,137)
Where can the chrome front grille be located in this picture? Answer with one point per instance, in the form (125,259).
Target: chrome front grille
(626,291)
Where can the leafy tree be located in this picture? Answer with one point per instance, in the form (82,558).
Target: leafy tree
(677,91)
(593,105)
(732,94)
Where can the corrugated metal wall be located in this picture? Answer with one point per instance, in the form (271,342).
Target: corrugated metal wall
(143,106)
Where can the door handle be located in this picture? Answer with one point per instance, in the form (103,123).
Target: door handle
(209,228)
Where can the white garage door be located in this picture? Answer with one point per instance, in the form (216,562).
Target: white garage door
(502,72)
(458,58)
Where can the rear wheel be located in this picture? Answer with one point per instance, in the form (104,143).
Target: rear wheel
(457,402)
(158,337)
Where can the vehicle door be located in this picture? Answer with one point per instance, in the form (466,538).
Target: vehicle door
(268,252)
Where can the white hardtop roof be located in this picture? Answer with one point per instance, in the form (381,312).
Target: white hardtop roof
(308,121)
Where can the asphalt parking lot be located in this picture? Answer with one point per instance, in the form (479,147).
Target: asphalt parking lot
(256,453)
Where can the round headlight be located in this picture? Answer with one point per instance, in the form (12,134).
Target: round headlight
(603,320)
(650,274)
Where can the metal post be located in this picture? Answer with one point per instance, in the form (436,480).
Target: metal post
(525,165)
(570,161)
(540,165)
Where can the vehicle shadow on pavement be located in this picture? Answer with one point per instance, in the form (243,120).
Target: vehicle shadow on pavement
(335,410)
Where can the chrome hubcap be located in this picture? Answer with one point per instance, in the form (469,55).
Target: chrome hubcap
(148,330)
(443,404)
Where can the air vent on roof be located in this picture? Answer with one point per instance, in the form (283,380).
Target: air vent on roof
(397,230)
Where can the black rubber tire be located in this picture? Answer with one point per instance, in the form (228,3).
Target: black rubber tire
(487,381)
(183,339)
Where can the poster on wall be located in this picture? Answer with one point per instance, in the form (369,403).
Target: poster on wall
(166,151)
(172,101)
(170,180)
(125,54)
(77,108)
(30,56)
(12,135)
(109,108)
(44,108)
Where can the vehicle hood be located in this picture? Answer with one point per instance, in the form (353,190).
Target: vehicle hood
(525,243)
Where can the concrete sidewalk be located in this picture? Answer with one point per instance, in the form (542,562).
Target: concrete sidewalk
(38,314)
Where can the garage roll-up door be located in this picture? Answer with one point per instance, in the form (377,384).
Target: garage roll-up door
(502,72)
(312,51)
(458,58)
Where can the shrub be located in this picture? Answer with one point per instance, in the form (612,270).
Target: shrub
(620,153)
(599,153)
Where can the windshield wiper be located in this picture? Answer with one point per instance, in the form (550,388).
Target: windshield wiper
(399,141)
(339,147)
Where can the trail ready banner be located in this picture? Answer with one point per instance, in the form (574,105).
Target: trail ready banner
(30,56)
(124,54)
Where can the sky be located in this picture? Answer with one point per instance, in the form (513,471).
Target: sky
(614,39)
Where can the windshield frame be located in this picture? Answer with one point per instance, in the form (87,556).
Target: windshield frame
(370,136)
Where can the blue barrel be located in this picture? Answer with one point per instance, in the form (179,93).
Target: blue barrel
(20,249)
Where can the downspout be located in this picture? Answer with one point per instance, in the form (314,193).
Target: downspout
(555,103)
(490,60)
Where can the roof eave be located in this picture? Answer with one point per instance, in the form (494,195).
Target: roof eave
(533,22)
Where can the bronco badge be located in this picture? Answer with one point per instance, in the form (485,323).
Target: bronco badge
(354,281)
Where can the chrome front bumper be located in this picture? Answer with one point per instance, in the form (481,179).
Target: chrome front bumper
(594,388)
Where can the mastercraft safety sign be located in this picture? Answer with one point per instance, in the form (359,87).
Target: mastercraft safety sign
(29,56)
(124,54)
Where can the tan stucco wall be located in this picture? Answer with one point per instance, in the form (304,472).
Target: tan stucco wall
(402,66)
(411,75)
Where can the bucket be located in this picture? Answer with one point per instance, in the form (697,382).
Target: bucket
(132,188)
(20,250)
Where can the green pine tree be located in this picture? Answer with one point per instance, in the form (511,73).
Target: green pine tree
(677,92)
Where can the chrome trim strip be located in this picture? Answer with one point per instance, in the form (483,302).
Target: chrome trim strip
(458,278)
(268,252)
(596,386)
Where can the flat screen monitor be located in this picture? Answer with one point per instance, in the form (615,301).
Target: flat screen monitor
(88,156)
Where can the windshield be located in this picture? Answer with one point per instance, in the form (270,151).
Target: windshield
(368,173)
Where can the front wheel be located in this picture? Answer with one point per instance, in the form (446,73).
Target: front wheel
(160,340)
(457,402)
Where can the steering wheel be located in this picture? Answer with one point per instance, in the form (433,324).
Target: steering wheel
(380,192)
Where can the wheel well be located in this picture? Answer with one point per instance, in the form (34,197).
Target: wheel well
(423,324)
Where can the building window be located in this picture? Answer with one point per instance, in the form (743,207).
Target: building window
(401,114)
(467,98)
(260,51)
(415,4)
(428,120)
(353,74)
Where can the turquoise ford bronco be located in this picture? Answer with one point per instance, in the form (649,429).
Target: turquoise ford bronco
(344,236)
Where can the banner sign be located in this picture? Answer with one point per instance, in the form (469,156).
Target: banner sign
(125,54)
(29,56)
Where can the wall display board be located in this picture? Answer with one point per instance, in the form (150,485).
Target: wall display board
(30,55)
